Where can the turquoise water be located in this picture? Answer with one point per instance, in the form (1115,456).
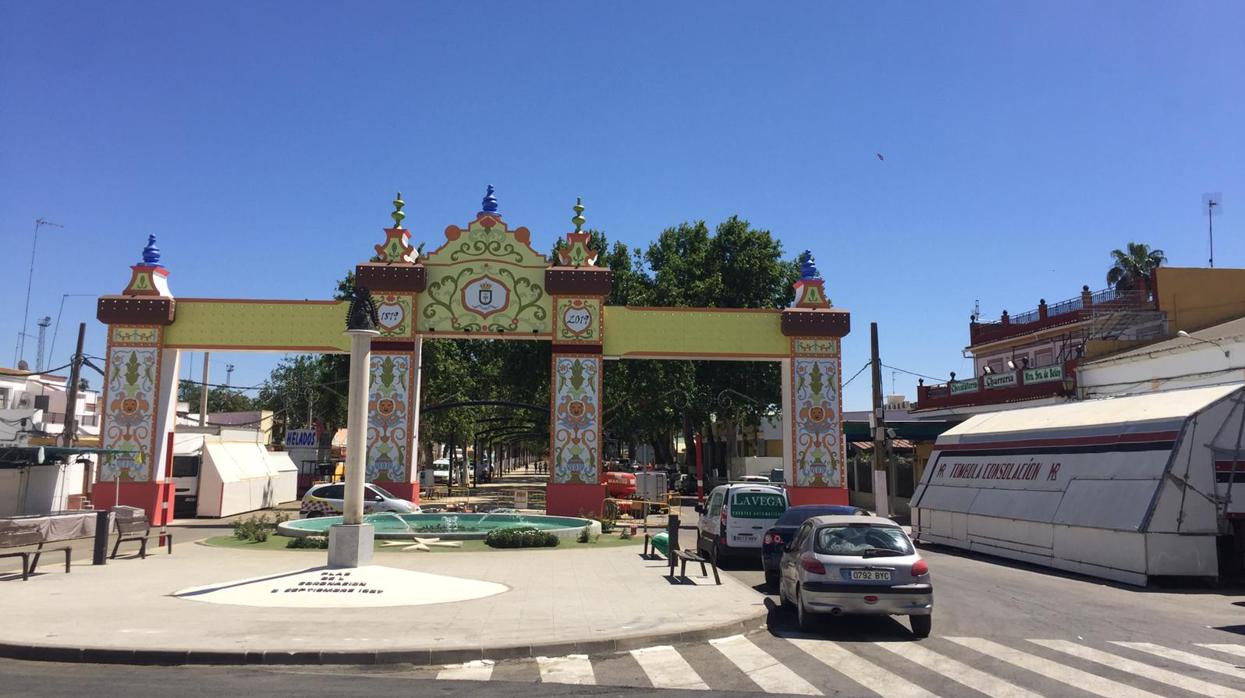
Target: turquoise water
(450,525)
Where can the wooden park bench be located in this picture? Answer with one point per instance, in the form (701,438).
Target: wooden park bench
(683,557)
(132,526)
(686,556)
(19,533)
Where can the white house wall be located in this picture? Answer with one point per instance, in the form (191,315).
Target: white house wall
(1196,366)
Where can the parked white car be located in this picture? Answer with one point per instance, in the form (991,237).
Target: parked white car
(856,565)
(736,516)
(328,499)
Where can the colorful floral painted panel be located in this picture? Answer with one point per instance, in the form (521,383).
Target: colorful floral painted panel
(486,278)
(394,315)
(576,437)
(388,412)
(578,320)
(129,412)
(817,435)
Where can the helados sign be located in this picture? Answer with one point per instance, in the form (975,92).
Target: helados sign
(301,438)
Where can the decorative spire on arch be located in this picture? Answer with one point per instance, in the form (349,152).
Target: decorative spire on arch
(810,288)
(151,253)
(576,253)
(149,277)
(397,247)
(488,206)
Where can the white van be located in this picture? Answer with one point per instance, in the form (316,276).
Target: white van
(736,516)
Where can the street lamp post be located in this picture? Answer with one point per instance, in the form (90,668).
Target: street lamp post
(351,542)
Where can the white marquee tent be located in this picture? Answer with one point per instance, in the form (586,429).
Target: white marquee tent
(1121,488)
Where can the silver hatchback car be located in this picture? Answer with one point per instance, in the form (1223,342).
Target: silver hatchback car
(839,565)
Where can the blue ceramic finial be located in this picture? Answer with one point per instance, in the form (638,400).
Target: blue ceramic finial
(151,253)
(489,205)
(808,267)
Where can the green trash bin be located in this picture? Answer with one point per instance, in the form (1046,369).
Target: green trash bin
(661,543)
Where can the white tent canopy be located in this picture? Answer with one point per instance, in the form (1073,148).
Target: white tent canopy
(237,476)
(1121,488)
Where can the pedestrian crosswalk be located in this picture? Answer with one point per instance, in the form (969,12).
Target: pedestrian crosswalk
(939,666)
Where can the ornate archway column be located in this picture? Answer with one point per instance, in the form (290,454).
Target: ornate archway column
(394,277)
(140,393)
(812,401)
(578,289)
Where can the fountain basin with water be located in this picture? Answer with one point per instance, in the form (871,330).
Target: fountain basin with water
(448,526)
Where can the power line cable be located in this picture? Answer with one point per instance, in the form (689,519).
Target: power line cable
(913,373)
(854,376)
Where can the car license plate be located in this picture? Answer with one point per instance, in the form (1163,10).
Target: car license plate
(744,536)
(871,575)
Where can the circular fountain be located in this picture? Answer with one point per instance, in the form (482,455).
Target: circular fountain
(448,526)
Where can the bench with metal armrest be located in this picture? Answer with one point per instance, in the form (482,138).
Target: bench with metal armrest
(132,526)
(17,535)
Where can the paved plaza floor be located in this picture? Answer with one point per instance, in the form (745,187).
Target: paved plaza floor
(553,602)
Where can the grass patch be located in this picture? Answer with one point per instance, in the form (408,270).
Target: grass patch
(278,542)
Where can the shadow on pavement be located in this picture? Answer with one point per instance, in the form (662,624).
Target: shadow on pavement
(782,623)
(1167,585)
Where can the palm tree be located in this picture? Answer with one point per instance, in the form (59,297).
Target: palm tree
(1133,270)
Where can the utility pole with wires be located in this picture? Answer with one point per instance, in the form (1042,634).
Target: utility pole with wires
(228,375)
(20,351)
(71,397)
(877,422)
(203,391)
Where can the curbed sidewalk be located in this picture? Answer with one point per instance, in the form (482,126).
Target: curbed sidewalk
(558,602)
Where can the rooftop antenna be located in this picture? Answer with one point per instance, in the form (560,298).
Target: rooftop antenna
(1213,205)
(43,323)
(228,375)
(20,352)
(976,309)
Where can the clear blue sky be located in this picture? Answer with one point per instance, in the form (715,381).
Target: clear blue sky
(262,142)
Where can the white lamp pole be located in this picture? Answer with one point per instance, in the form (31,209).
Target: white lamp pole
(350,542)
(356,422)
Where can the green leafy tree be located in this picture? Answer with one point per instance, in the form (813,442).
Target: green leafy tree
(737,266)
(220,399)
(1133,270)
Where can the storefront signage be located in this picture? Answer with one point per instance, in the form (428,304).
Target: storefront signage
(1000,380)
(958,387)
(1046,374)
(303,438)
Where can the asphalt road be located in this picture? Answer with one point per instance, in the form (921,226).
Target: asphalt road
(991,616)
(992,597)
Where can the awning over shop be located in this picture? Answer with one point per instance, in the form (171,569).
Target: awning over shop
(896,445)
(26,456)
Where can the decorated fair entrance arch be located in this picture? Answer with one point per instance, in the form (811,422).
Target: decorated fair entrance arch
(485,281)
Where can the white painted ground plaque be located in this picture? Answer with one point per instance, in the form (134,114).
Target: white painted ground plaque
(360,587)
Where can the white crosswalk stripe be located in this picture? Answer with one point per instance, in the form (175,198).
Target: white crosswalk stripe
(957,671)
(666,668)
(860,670)
(1186,657)
(762,668)
(1153,673)
(1052,670)
(572,669)
(1238,650)
(478,670)
(951,669)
